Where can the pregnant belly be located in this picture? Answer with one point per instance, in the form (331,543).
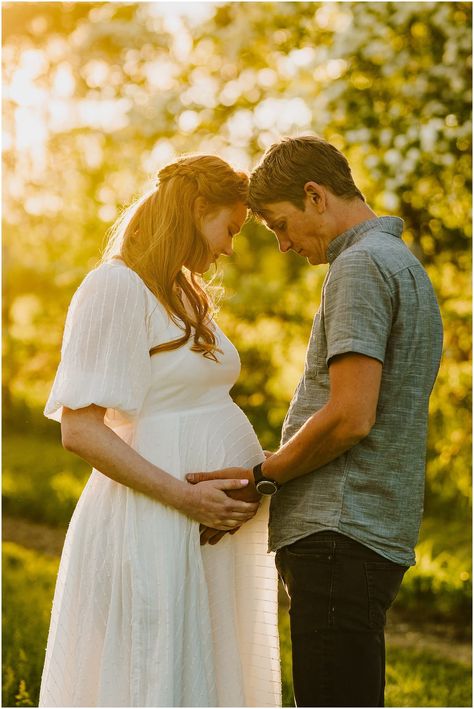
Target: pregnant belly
(202,439)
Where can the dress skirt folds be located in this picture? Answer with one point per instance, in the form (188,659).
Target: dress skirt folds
(142,614)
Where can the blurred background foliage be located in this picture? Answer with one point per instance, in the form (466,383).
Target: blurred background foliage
(98,96)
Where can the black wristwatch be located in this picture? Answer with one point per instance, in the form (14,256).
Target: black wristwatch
(265,486)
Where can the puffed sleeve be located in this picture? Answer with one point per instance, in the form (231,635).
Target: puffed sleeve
(105,352)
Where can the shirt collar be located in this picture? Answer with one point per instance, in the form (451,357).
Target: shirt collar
(389,225)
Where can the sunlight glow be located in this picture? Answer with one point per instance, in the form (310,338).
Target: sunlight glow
(162,153)
(188,121)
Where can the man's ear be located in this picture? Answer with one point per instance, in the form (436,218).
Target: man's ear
(316,194)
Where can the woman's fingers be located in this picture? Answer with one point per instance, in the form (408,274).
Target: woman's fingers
(210,505)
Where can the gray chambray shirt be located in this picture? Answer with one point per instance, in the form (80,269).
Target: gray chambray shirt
(377,300)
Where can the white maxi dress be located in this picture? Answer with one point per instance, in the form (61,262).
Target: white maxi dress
(142,614)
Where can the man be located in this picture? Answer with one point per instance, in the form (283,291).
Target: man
(347,482)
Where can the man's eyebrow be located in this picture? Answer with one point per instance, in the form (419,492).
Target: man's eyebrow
(271,221)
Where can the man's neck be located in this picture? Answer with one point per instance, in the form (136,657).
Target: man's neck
(350,214)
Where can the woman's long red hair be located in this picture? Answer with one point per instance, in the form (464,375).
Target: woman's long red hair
(157,237)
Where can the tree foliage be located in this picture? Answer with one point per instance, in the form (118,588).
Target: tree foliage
(97,96)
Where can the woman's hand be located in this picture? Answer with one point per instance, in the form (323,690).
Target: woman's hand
(210,502)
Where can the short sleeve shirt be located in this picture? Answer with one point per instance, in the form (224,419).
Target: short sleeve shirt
(377,300)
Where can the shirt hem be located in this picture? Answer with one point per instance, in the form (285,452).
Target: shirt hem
(396,559)
(356,346)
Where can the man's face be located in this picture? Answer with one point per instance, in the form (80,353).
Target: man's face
(303,231)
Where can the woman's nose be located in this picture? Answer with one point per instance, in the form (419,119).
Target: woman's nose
(284,245)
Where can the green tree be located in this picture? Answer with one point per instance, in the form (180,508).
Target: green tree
(98,95)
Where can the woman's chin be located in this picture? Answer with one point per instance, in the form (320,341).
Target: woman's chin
(201,268)
(209,263)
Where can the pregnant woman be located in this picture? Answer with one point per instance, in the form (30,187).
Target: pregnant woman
(142,614)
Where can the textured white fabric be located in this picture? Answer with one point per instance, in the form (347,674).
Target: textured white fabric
(142,615)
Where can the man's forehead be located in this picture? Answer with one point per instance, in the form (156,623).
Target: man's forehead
(273,211)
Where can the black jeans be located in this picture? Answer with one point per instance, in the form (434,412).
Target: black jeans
(339,593)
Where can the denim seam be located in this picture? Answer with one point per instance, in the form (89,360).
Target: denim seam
(369,596)
(331,587)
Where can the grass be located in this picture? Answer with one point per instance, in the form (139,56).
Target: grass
(42,483)
(28,584)
(285,654)
(414,679)
(439,587)
(423,679)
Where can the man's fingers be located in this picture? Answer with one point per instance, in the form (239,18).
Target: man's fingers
(207,533)
(217,537)
(196,477)
(228,473)
(233,484)
(213,536)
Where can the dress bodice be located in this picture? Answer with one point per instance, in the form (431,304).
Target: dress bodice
(182,379)
(113,322)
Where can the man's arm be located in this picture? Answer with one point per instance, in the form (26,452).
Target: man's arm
(339,425)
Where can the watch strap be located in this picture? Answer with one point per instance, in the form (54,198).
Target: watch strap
(258,476)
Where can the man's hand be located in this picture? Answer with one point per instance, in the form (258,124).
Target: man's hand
(208,535)
(211,504)
(247,494)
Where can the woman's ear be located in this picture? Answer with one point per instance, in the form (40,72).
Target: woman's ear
(200,208)
(316,194)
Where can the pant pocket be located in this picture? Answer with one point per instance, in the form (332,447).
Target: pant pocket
(384,579)
(308,576)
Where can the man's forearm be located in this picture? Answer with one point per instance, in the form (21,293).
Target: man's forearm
(322,438)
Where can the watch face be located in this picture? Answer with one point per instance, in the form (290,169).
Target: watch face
(266,487)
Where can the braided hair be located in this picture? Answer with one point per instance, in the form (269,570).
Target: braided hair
(158,238)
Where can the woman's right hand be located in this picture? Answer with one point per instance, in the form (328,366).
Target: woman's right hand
(207,503)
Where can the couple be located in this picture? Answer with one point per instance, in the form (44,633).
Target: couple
(158,602)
